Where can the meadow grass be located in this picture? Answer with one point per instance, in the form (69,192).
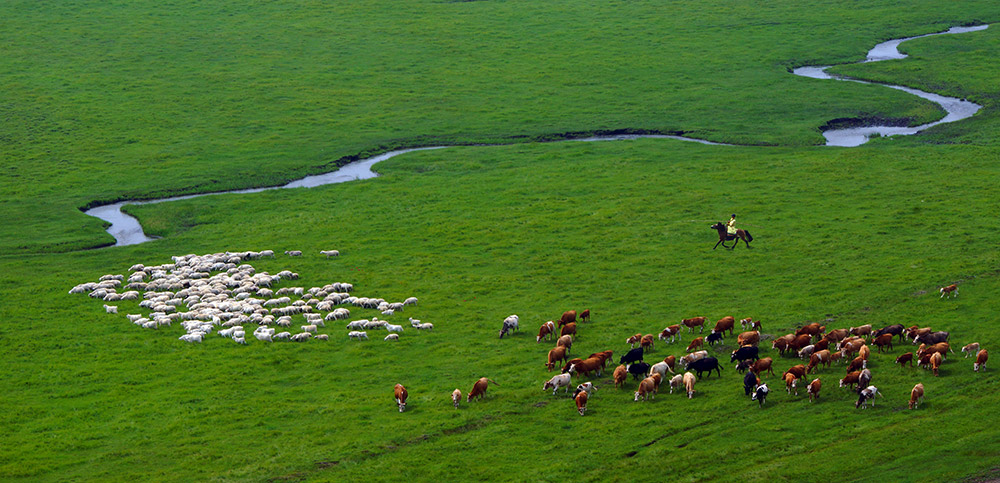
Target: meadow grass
(123,100)
(845,236)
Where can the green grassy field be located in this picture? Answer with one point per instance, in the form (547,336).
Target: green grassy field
(185,98)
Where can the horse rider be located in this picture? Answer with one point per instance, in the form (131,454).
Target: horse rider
(731,226)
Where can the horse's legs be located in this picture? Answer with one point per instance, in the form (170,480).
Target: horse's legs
(717,244)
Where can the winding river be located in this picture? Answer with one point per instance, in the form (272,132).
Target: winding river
(127,230)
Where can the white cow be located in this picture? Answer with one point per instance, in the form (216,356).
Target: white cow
(561,380)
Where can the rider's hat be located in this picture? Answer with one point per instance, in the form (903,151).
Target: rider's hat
(734,215)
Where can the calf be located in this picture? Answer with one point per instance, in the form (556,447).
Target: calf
(696,343)
(781,343)
(689,381)
(547,331)
(724,324)
(971,349)
(647,343)
(857,364)
(813,389)
(981,359)
(865,395)
(585,316)
(903,359)
(744,353)
(581,402)
(670,361)
(634,355)
(568,317)
(620,374)
(565,341)
(604,356)
(916,395)
(646,388)
(400,394)
(694,356)
(707,364)
(676,381)
(479,388)
(640,369)
(850,379)
(759,394)
(694,322)
(456,396)
(747,323)
(951,290)
(748,338)
(568,329)
(561,380)
(632,341)
(807,351)
(790,383)
(555,355)
(714,338)
(674,331)
(750,381)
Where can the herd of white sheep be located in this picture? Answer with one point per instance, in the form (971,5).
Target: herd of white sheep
(222,293)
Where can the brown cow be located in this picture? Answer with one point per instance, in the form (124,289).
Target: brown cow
(585,316)
(694,322)
(949,291)
(479,388)
(981,359)
(724,324)
(813,389)
(925,360)
(857,364)
(581,402)
(971,349)
(620,374)
(781,343)
(914,332)
(817,358)
(670,361)
(568,317)
(813,329)
(940,348)
(647,343)
(568,329)
(399,392)
(798,371)
(750,324)
(696,343)
(822,345)
(935,362)
(916,395)
(674,331)
(632,341)
(836,356)
(587,366)
(790,383)
(800,342)
(850,379)
(852,347)
(646,388)
(748,338)
(689,381)
(863,352)
(555,355)
(838,335)
(604,356)
(565,341)
(903,359)
(883,341)
(547,329)
(761,365)
(863,331)
(849,340)
(456,396)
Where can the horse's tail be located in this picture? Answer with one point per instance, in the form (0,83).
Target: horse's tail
(749,236)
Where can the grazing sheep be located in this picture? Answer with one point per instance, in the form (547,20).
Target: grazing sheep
(240,340)
(301,337)
(282,336)
(323,337)
(410,301)
(414,322)
(293,253)
(427,326)
(393,328)
(309,328)
(191,338)
(354,334)
(267,253)
(330,253)
(392,337)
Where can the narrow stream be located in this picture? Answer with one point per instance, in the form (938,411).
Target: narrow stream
(127,230)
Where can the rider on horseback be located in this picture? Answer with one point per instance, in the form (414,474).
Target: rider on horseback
(731,226)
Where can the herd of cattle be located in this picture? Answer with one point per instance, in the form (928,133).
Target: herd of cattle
(812,342)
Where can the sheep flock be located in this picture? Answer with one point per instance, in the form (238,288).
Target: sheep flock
(222,293)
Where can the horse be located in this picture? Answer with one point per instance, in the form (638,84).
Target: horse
(724,236)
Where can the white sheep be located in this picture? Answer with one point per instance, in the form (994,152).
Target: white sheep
(392,337)
(301,337)
(267,253)
(414,322)
(425,327)
(293,253)
(309,328)
(393,328)
(282,335)
(191,337)
(410,301)
(388,312)
(323,337)
(240,340)
(133,317)
(357,324)
(357,335)
(330,253)
(263,336)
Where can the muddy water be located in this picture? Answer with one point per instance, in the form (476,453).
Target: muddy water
(956,109)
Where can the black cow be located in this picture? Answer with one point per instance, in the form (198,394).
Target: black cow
(707,364)
(760,394)
(894,329)
(714,338)
(744,353)
(638,370)
(932,338)
(634,355)
(749,381)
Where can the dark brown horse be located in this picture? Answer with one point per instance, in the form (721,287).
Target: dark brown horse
(724,236)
